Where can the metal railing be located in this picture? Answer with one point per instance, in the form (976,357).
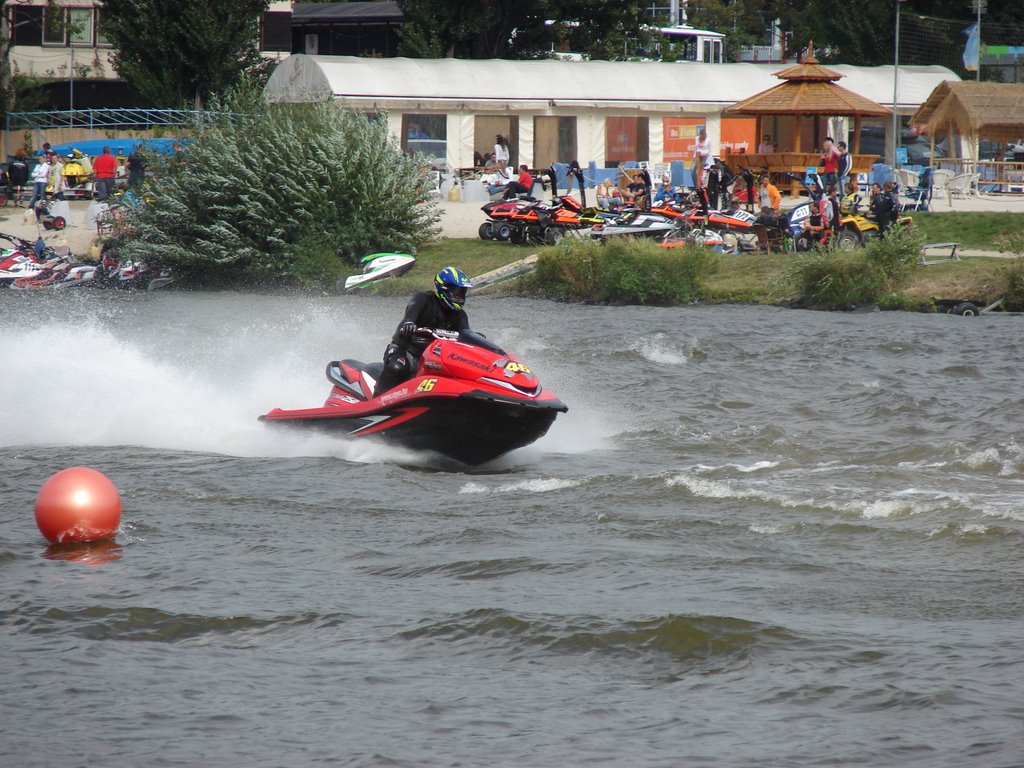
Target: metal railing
(102,119)
(993,175)
(84,124)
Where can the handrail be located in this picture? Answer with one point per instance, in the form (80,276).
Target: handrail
(104,118)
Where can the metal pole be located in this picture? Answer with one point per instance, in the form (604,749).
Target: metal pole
(977,72)
(895,87)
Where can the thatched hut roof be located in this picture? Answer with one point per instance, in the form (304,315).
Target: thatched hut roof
(993,111)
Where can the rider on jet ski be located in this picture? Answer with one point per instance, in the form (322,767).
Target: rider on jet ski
(440,309)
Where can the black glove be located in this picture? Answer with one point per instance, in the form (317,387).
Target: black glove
(407,330)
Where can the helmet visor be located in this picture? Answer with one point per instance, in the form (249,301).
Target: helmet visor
(457,293)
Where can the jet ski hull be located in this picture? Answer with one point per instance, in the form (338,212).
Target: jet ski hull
(472,428)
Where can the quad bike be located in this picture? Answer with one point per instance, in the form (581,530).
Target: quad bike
(547,222)
(525,219)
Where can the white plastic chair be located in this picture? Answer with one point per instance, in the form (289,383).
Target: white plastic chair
(940,181)
(907,179)
(962,185)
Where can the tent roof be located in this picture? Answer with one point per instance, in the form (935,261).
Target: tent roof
(992,111)
(500,83)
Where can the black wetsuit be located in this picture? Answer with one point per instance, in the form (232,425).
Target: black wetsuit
(882,208)
(424,310)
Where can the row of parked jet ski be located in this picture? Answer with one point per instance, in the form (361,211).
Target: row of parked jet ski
(27,265)
(687,219)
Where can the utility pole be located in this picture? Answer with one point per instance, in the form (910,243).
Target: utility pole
(895,87)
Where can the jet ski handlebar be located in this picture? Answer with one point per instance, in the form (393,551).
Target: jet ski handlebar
(437,333)
(423,335)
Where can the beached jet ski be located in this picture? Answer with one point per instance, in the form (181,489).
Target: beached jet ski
(377,266)
(469,400)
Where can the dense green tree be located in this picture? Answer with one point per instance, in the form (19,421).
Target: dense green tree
(280,193)
(609,29)
(603,29)
(481,30)
(178,54)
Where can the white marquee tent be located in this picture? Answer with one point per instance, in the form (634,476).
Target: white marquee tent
(466,101)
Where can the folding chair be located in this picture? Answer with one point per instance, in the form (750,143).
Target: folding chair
(921,195)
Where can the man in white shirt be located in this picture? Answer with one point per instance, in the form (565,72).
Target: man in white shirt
(703,158)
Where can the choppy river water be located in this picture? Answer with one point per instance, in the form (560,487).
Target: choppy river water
(759,537)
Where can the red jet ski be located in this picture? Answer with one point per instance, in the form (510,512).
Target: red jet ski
(469,400)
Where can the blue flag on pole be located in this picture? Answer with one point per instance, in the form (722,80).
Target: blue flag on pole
(971,49)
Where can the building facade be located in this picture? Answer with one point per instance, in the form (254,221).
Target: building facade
(558,111)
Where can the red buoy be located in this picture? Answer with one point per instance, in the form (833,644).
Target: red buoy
(78,504)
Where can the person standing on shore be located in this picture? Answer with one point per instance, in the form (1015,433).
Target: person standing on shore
(55,186)
(105,168)
(702,158)
(829,163)
(845,165)
(136,164)
(40,178)
(768,195)
(501,149)
(17,173)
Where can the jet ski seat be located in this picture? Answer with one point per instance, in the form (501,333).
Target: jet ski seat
(374,369)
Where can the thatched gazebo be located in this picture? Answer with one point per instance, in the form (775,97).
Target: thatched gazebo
(974,111)
(808,93)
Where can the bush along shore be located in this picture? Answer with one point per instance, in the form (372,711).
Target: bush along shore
(886,273)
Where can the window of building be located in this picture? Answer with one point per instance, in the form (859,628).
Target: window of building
(26,25)
(426,135)
(276,31)
(54,31)
(71,26)
(101,39)
(80,26)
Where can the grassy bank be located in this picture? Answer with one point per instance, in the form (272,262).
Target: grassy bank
(737,278)
(761,279)
(979,230)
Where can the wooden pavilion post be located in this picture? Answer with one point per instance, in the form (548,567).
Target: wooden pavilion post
(855,149)
(794,187)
